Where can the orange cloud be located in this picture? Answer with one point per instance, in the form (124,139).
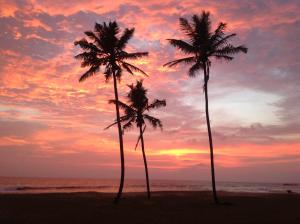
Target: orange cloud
(40,85)
(35,23)
(7,8)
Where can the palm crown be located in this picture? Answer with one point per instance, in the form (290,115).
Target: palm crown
(202,44)
(135,110)
(106,49)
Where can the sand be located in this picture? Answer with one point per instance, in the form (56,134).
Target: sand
(164,207)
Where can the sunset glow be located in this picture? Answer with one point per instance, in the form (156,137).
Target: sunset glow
(50,124)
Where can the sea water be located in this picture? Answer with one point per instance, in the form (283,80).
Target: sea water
(51,185)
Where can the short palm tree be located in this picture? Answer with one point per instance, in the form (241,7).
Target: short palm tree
(201,46)
(135,112)
(106,49)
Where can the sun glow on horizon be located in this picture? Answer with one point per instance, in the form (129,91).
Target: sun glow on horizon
(180,152)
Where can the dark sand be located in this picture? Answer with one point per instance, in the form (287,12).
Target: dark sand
(164,207)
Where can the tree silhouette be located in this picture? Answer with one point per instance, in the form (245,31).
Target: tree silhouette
(201,46)
(106,49)
(135,112)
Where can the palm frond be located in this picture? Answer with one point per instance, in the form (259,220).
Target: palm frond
(186,26)
(86,55)
(202,26)
(89,73)
(182,45)
(196,67)
(104,29)
(99,28)
(223,57)
(122,119)
(127,68)
(219,32)
(122,105)
(184,60)
(107,33)
(114,27)
(223,40)
(124,55)
(153,121)
(134,68)
(230,50)
(128,125)
(91,59)
(85,45)
(94,37)
(157,104)
(126,36)
(111,125)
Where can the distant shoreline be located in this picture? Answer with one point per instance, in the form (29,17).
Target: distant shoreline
(236,193)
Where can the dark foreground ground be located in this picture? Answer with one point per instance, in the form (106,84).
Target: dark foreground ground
(164,207)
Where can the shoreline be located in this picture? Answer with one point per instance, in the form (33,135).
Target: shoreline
(221,192)
(163,207)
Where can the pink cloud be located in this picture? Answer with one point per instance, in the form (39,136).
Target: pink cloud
(39,84)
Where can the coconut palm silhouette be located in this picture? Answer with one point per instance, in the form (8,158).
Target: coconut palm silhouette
(106,49)
(203,45)
(135,112)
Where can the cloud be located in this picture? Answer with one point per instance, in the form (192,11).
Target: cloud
(19,128)
(47,114)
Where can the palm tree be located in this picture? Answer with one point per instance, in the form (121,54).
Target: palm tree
(135,113)
(201,46)
(106,49)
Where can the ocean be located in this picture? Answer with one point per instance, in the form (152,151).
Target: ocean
(51,185)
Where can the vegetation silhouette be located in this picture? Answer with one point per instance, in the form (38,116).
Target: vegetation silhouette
(135,112)
(201,46)
(106,49)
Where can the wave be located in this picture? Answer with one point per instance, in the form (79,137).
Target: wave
(290,184)
(30,188)
(27,188)
(98,188)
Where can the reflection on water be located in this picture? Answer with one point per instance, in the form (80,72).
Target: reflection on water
(44,185)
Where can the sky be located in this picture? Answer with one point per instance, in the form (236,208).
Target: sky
(53,126)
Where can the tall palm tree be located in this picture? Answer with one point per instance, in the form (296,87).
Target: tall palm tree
(201,46)
(135,112)
(106,49)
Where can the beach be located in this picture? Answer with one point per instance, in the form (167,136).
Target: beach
(163,207)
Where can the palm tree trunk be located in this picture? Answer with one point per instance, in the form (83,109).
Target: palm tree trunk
(145,162)
(120,142)
(206,76)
